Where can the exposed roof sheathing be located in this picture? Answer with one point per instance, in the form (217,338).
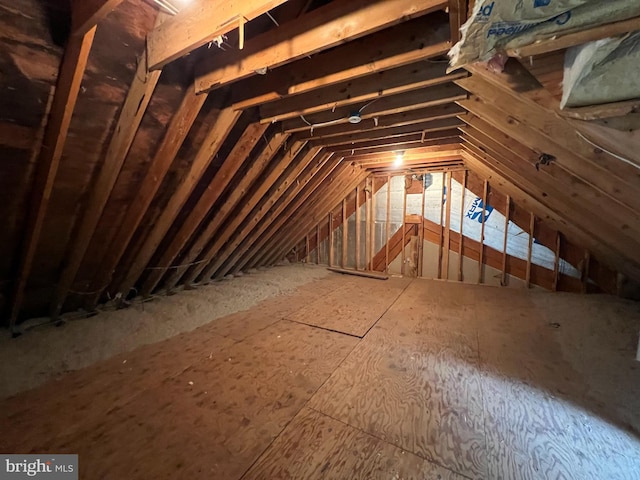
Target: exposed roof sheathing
(160,158)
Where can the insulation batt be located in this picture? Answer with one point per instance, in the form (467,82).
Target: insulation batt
(498,25)
(603,71)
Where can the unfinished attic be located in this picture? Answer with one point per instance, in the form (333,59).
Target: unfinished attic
(315,239)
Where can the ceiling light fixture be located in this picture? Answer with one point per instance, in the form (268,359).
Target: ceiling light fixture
(399,159)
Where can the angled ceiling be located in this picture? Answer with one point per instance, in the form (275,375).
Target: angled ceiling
(163,157)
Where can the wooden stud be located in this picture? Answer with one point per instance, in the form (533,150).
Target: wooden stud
(421,237)
(461,242)
(308,254)
(372,246)
(68,84)
(556,262)
(227,118)
(241,22)
(447,231)
(197,24)
(331,239)
(318,244)
(404,215)
(318,30)
(584,273)
(345,234)
(441,226)
(532,226)
(388,224)
(485,192)
(176,133)
(507,209)
(223,177)
(358,227)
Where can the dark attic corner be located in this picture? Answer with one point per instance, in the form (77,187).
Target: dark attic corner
(310,239)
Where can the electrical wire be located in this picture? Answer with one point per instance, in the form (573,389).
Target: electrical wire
(622,159)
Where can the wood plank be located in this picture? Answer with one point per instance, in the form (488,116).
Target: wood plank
(240,191)
(331,240)
(560,42)
(222,179)
(507,209)
(134,108)
(359,91)
(457,17)
(485,195)
(326,448)
(409,42)
(321,29)
(358,227)
(532,230)
(421,236)
(177,131)
(345,234)
(359,273)
(288,156)
(556,261)
(409,392)
(86,14)
(199,23)
(461,243)
(387,225)
(225,121)
(447,230)
(404,224)
(396,244)
(353,309)
(68,84)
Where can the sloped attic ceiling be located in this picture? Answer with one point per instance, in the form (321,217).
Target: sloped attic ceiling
(134,141)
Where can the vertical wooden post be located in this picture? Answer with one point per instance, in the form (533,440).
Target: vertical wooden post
(372,249)
(358,237)
(556,263)
(584,273)
(420,268)
(318,244)
(308,256)
(404,214)
(345,234)
(460,244)
(368,191)
(441,233)
(532,228)
(447,231)
(330,239)
(485,194)
(388,226)
(507,214)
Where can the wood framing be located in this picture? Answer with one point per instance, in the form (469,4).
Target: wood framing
(74,62)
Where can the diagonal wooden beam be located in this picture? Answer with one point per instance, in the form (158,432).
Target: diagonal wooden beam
(177,131)
(225,121)
(240,190)
(321,29)
(86,14)
(288,158)
(199,23)
(230,167)
(134,108)
(297,198)
(264,209)
(410,42)
(68,84)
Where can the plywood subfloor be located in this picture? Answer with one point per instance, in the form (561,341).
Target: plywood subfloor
(453,381)
(354,307)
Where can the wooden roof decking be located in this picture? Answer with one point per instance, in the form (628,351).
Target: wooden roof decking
(125,180)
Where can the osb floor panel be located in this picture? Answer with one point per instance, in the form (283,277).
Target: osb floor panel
(449,381)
